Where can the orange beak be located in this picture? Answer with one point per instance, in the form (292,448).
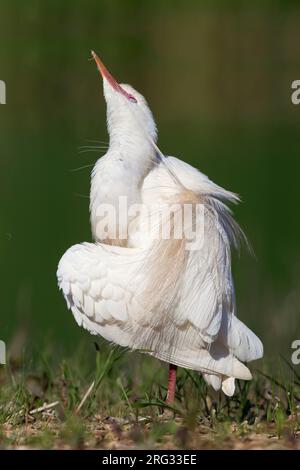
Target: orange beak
(111,80)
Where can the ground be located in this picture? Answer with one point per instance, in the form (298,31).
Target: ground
(117,402)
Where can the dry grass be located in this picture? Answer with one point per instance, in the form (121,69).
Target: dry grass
(117,402)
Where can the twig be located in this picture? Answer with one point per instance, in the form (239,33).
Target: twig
(44,408)
(86,395)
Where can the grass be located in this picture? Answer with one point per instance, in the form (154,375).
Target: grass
(106,397)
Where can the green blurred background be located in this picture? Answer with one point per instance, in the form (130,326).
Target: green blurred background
(218,78)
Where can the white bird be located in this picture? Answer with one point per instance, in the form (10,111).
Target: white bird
(141,289)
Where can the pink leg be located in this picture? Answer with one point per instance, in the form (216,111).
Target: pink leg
(171,384)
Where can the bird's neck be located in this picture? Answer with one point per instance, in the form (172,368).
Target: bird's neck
(120,174)
(130,136)
(133,147)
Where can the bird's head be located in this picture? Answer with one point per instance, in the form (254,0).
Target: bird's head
(127,109)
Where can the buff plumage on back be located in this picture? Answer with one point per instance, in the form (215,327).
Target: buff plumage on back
(189,305)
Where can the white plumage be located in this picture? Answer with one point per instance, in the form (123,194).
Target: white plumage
(155,294)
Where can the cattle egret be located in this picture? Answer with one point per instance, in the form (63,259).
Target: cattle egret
(150,281)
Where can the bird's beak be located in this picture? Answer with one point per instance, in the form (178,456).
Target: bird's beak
(104,72)
(111,80)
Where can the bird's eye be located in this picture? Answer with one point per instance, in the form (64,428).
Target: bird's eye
(125,93)
(132,99)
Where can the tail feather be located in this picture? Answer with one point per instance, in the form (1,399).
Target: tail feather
(241,341)
(217,361)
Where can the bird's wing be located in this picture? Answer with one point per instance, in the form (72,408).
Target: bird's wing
(199,314)
(160,182)
(100,283)
(96,282)
(205,277)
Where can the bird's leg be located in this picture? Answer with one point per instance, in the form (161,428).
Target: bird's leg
(171,384)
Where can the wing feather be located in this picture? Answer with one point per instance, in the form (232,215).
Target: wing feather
(92,290)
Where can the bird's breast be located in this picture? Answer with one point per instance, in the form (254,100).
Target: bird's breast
(114,200)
